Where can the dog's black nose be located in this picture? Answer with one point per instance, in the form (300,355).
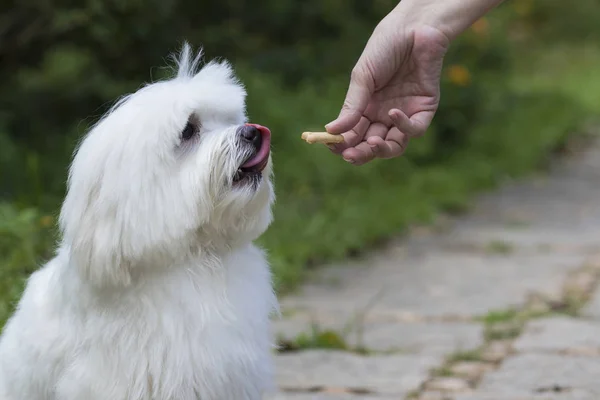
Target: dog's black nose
(252,135)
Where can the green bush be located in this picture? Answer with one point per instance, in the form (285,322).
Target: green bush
(480,56)
(552,20)
(26,240)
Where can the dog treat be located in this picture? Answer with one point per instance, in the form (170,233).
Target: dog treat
(321,137)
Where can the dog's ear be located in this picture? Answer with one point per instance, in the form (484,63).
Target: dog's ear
(105,219)
(124,209)
(94,237)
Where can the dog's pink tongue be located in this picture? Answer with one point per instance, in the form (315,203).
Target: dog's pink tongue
(265,147)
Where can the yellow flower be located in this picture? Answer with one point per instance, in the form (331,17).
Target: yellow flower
(46,221)
(481,26)
(459,75)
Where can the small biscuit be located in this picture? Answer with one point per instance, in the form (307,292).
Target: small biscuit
(322,137)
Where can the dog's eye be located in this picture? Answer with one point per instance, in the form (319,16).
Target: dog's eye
(189,131)
(191,128)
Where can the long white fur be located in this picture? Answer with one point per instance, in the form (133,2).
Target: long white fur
(156,291)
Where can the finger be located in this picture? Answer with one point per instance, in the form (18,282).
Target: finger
(352,137)
(384,148)
(421,121)
(364,153)
(402,122)
(373,130)
(414,126)
(394,145)
(376,132)
(359,155)
(357,98)
(376,129)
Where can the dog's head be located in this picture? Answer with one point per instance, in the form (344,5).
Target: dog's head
(170,170)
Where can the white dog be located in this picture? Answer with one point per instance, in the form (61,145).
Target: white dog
(156,291)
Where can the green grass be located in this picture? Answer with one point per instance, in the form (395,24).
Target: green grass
(468,355)
(499,247)
(442,372)
(500,316)
(25,242)
(568,69)
(316,338)
(504,331)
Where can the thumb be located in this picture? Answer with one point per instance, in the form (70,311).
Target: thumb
(357,98)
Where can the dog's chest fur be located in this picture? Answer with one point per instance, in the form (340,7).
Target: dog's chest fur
(190,334)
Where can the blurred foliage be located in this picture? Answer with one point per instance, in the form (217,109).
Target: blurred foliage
(555,20)
(26,240)
(62,65)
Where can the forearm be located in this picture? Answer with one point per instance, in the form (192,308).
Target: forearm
(452,17)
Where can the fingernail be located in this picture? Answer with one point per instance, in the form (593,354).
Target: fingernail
(349,160)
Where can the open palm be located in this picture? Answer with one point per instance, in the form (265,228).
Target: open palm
(393,95)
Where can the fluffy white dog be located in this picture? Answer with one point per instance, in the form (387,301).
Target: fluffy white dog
(156,291)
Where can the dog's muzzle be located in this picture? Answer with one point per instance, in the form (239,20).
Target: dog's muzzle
(251,135)
(258,138)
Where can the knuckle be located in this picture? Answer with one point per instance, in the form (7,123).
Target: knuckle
(347,106)
(379,153)
(403,148)
(358,74)
(363,74)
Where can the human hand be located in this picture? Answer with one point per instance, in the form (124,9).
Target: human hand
(394,91)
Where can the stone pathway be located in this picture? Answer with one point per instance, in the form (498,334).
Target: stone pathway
(498,305)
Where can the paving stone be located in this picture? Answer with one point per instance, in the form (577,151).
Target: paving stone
(537,396)
(471,370)
(436,284)
(327,396)
(424,338)
(533,212)
(542,202)
(496,351)
(592,309)
(580,284)
(543,374)
(448,384)
(561,334)
(497,239)
(533,239)
(430,395)
(385,375)
(421,337)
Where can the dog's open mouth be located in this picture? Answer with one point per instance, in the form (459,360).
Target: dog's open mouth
(256,163)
